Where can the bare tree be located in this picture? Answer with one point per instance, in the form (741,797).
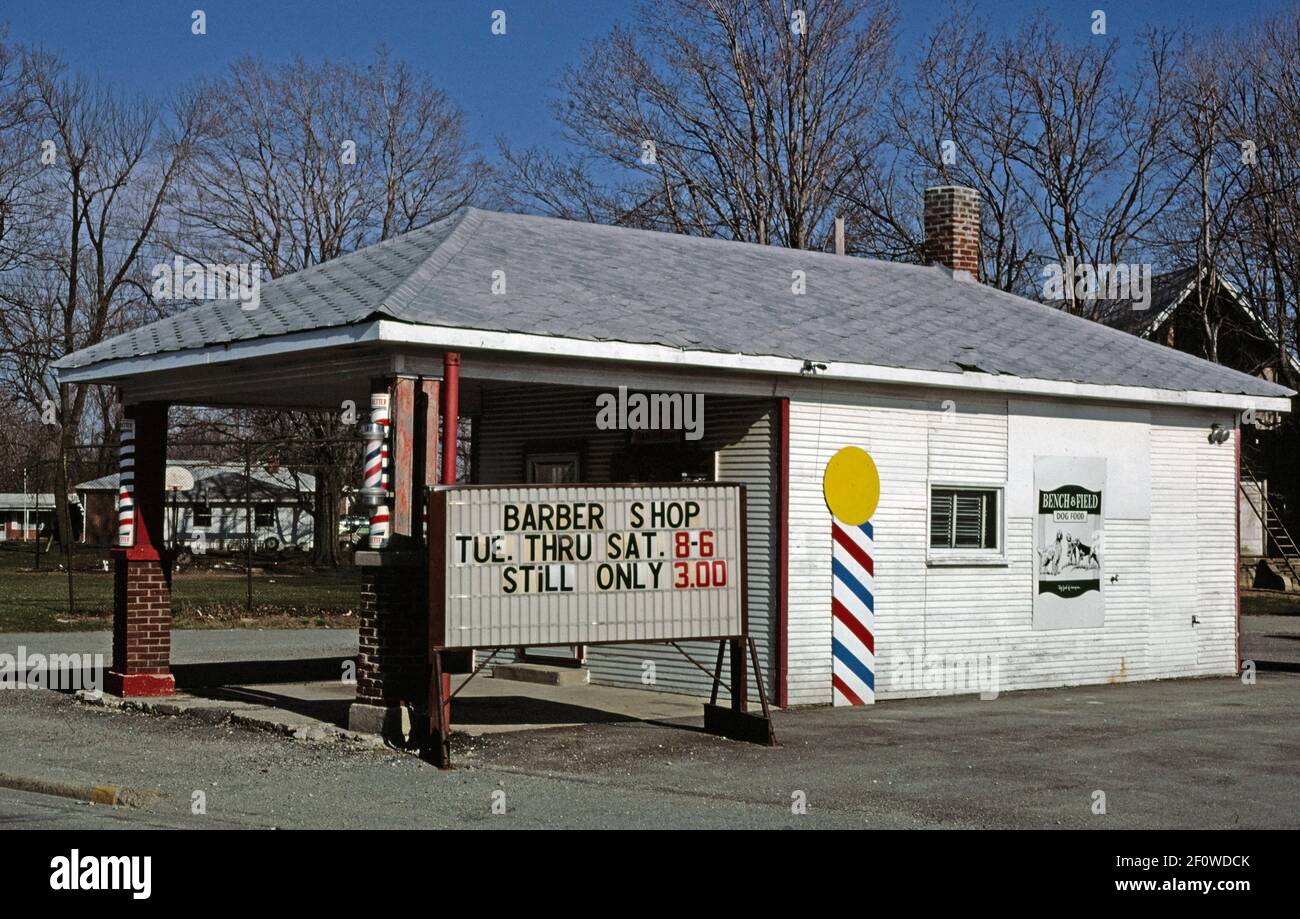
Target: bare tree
(107,164)
(310,162)
(1263,117)
(729,118)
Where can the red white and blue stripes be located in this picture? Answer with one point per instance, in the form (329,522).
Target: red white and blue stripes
(853,616)
(376,468)
(126,485)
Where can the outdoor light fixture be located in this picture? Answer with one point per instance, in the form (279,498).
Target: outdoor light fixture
(810,367)
(1219,434)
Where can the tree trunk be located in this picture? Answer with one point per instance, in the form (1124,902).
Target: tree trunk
(325,513)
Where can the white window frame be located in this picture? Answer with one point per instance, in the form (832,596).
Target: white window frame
(938,557)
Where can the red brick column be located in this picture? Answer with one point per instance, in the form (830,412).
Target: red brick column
(142,595)
(394,631)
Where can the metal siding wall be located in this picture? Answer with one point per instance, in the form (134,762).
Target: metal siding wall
(514,416)
(1216,508)
(1185,549)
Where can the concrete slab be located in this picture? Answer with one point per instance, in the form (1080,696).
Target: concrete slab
(490,706)
(320,710)
(542,673)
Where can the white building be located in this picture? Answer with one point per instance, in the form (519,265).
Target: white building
(217,508)
(1058,499)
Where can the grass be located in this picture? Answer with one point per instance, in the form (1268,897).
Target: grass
(284,596)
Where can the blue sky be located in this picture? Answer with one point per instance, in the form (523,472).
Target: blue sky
(502,82)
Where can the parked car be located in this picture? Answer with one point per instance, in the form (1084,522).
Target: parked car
(353,531)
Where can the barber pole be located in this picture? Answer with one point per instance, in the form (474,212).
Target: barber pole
(851,485)
(376,468)
(853,643)
(126,486)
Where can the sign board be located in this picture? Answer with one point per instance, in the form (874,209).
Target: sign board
(584,564)
(1067,542)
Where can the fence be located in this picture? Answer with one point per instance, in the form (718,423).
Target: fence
(241,520)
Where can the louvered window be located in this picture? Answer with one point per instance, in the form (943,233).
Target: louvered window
(963,518)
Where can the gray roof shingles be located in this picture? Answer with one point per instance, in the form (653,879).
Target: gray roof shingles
(603,283)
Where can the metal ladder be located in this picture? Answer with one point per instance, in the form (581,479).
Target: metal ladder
(1272,521)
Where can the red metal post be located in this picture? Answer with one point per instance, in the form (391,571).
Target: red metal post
(439,701)
(1236,575)
(450,414)
(783,556)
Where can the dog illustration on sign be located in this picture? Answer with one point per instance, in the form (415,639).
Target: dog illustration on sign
(1067,551)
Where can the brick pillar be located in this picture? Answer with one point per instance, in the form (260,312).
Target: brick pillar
(394,633)
(952,228)
(142,594)
(393,638)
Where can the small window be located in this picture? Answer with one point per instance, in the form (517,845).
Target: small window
(202,515)
(264,515)
(964,518)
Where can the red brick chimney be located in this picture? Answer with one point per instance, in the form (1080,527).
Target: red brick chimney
(952,228)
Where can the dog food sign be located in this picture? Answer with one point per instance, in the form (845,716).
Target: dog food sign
(583,564)
(1067,542)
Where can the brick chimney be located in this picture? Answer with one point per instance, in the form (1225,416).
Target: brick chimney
(952,228)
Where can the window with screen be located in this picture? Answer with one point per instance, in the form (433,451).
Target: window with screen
(264,515)
(964,518)
(202,515)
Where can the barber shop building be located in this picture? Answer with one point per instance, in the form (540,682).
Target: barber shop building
(1051,497)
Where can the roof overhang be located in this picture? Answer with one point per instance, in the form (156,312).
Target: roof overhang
(369,339)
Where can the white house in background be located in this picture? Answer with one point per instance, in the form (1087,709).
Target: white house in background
(30,510)
(217,510)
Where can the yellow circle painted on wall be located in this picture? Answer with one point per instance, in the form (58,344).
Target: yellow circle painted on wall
(851,485)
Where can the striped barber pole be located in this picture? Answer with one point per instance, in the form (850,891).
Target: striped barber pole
(376,469)
(853,642)
(126,485)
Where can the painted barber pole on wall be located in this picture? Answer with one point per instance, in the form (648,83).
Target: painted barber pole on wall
(126,485)
(851,486)
(376,468)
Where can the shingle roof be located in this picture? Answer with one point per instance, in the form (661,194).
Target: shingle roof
(17,501)
(603,283)
(1166,290)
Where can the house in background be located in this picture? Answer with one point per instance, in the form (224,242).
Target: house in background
(35,511)
(1269,512)
(212,506)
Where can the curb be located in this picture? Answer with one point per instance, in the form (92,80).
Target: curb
(248,718)
(114,795)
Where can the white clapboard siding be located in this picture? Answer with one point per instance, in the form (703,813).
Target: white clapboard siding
(1216,510)
(1160,566)
(739,429)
